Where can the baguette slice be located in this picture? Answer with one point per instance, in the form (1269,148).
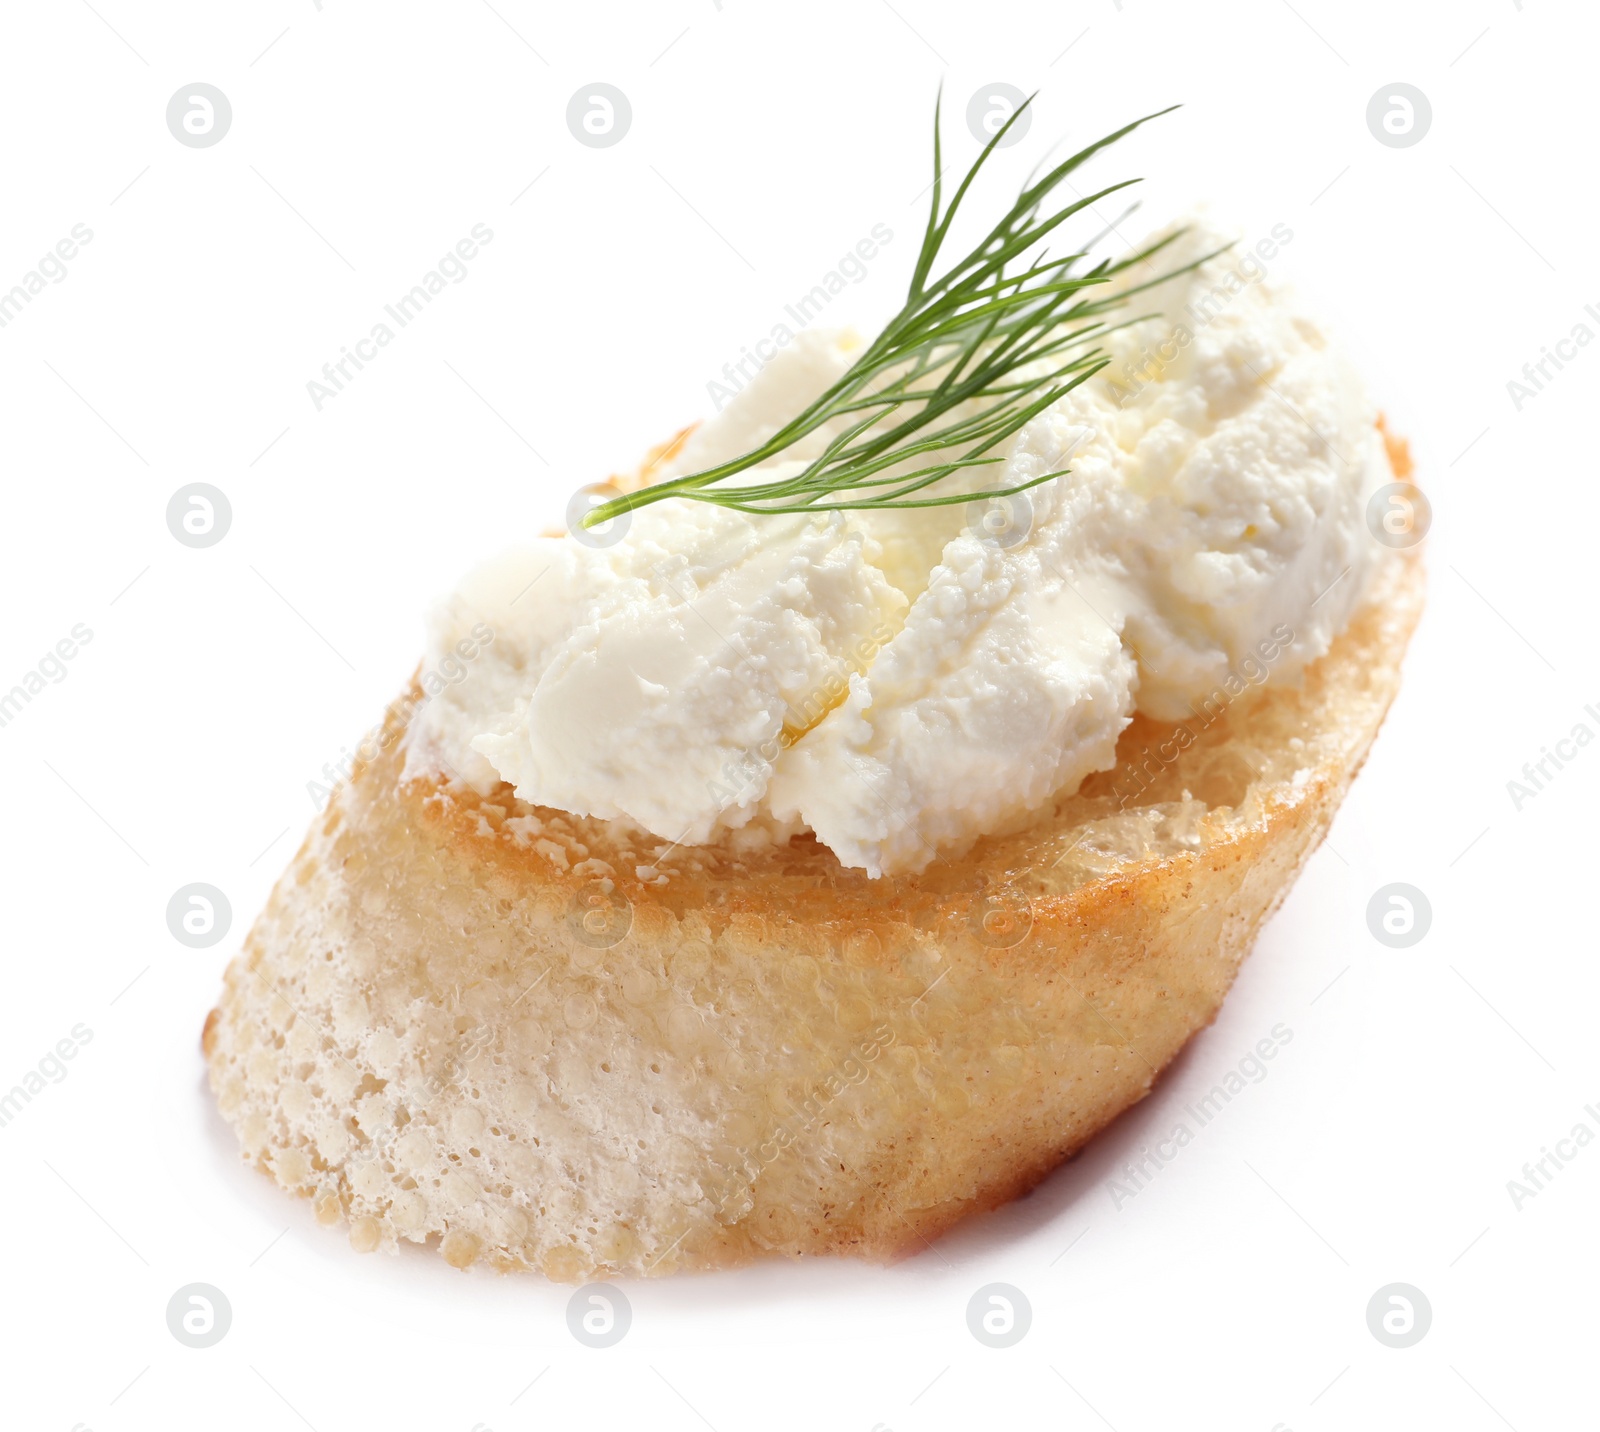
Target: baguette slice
(546,1042)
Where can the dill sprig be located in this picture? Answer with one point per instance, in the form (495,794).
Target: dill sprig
(972,356)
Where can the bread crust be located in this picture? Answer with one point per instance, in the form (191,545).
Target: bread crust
(546,1042)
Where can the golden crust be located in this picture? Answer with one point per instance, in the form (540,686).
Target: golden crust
(550,1042)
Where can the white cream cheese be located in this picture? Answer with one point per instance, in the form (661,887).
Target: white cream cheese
(667,700)
(903,683)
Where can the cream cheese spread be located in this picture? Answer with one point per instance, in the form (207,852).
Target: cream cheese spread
(903,683)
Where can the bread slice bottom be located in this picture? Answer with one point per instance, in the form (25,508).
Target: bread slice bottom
(546,1042)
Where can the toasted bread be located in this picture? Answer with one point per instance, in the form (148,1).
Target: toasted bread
(548,1042)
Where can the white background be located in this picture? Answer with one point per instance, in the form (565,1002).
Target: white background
(766,140)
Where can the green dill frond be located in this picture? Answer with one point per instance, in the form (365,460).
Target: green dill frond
(972,356)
